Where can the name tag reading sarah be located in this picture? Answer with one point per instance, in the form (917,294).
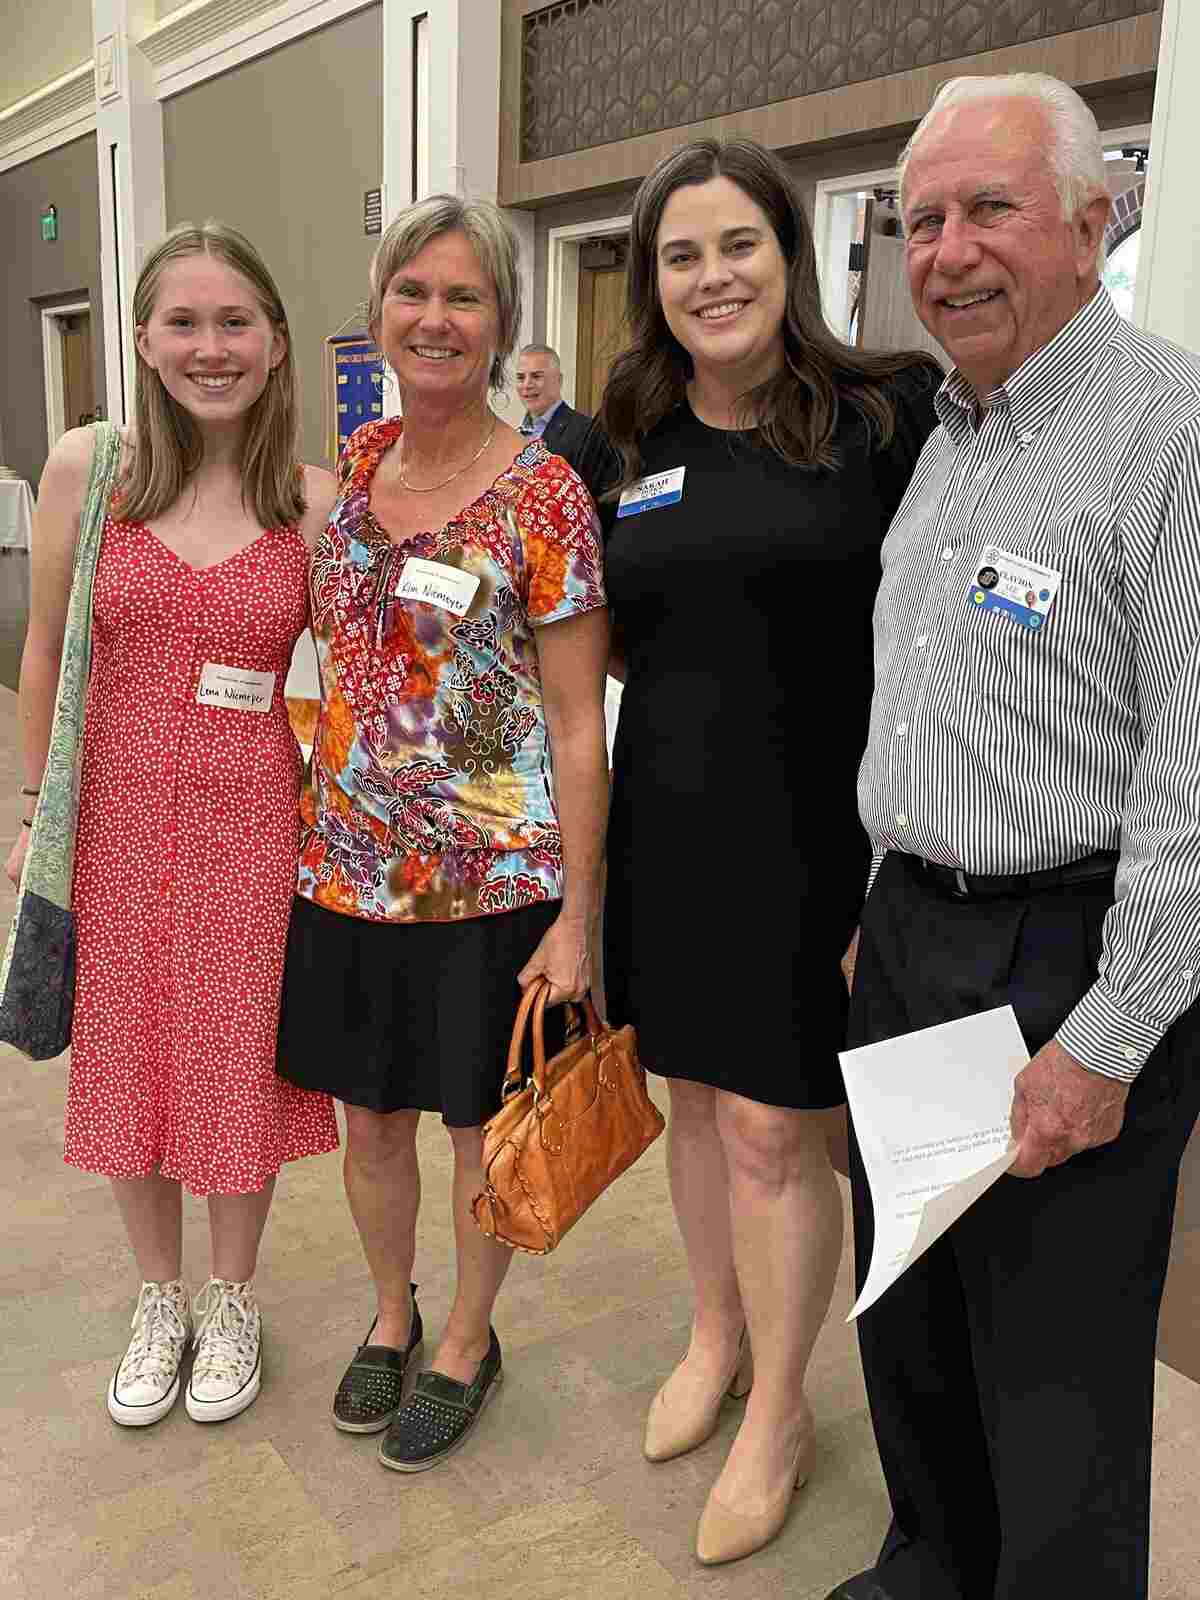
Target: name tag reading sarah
(235,688)
(437,585)
(648,494)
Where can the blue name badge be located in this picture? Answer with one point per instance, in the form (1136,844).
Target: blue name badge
(1021,589)
(648,494)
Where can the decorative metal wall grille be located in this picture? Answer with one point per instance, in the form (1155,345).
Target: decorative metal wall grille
(594,71)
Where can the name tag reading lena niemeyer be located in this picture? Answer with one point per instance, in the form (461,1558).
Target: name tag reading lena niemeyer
(437,585)
(235,688)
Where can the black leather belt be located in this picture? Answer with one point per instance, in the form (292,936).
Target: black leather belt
(960,885)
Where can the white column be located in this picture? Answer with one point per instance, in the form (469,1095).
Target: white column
(454,127)
(129,147)
(1165,299)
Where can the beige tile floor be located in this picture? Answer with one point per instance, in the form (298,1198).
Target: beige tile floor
(552,1500)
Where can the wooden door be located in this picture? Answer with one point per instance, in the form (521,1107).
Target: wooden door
(887,320)
(600,332)
(79,393)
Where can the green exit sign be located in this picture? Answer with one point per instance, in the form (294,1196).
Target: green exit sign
(50,223)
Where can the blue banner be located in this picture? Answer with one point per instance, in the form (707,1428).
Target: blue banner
(357,386)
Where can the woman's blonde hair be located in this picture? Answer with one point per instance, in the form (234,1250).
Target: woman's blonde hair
(168,447)
(494,244)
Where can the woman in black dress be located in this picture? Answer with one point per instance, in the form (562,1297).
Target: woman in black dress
(762,463)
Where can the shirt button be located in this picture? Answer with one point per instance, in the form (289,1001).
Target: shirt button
(901,820)
(1129,1053)
(1187,975)
(948,553)
(901,729)
(922,641)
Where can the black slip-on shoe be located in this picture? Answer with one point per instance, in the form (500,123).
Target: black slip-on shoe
(438,1415)
(866,1586)
(373,1385)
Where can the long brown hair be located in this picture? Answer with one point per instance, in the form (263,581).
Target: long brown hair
(168,447)
(797,410)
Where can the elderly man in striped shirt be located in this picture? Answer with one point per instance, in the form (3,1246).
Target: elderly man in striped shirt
(1032,788)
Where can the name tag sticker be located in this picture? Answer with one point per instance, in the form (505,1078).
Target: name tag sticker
(1022,589)
(648,494)
(437,585)
(235,688)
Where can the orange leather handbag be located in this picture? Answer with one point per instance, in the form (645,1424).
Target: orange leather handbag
(560,1139)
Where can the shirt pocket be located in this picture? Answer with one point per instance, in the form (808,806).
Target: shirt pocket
(1007,661)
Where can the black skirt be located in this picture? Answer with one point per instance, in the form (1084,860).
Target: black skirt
(412,1016)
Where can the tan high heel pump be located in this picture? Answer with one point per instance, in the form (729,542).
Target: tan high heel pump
(725,1534)
(676,1425)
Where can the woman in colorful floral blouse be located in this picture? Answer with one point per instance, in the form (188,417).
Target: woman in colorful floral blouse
(462,631)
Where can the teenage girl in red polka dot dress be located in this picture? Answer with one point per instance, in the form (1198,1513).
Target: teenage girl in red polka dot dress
(188,829)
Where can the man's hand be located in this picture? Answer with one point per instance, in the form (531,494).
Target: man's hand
(1060,1109)
(848,961)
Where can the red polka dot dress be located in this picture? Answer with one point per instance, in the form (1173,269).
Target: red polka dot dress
(185,868)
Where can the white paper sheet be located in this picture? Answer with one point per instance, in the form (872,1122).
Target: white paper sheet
(931,1114)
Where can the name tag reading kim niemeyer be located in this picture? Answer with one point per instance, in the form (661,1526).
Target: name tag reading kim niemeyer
(648,494)
(437,585)
(235,688)
(1022,589)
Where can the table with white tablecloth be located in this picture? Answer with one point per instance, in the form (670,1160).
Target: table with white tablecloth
(16,513)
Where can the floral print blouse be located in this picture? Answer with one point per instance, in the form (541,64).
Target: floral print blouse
(431,794)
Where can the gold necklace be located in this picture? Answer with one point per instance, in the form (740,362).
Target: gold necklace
(429,488)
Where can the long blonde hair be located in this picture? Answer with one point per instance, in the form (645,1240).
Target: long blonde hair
(168,447)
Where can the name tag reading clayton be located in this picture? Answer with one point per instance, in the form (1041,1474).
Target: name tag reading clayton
(437,585)
(1012,584)
(648,494)
(235,688)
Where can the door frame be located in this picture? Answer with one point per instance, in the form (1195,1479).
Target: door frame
(52,361)
(562,288)
(833,244)
(832,248)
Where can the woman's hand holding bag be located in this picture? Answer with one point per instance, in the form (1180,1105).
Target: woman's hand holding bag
(560,1138)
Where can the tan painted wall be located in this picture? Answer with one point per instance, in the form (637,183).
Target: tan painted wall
(39,42)
(33,274)
(283,149)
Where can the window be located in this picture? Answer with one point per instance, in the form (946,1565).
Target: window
(1120,273)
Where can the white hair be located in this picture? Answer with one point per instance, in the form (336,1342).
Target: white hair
(541,350)
(1076,151)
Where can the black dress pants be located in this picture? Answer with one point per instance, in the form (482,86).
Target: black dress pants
(1010,1372)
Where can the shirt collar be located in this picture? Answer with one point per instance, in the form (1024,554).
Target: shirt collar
(1039,386)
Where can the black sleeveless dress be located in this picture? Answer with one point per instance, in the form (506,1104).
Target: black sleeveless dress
(736,860)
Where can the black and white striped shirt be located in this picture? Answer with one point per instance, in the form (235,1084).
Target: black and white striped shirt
(1001,748)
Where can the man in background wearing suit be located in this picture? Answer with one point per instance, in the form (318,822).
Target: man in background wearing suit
(563,430)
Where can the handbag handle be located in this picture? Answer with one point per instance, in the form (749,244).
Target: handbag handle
(533,1002)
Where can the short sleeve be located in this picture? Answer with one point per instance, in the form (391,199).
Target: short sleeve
(362,440)
(560,544)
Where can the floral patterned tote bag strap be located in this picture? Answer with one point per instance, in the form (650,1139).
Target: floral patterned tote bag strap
(37,979)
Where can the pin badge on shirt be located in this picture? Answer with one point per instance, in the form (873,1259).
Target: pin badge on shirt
(1022,590)
(649,494)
